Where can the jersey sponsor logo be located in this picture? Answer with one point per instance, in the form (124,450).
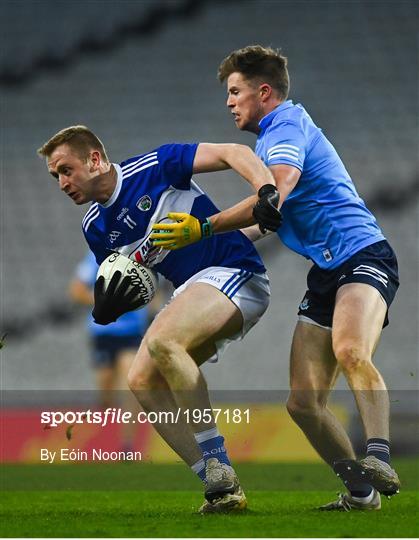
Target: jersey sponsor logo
(304,304)
(146,253)
(113,236)
(144,204)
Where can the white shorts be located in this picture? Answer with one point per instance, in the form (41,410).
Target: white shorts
(250,292)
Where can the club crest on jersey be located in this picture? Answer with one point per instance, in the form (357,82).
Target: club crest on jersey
(144,203)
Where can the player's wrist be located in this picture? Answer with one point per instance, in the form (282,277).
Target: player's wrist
(206,228)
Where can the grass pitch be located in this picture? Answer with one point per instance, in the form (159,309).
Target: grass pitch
(143,500)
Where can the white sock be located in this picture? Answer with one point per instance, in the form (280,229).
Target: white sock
(199,469)
(206,435)
(364,500)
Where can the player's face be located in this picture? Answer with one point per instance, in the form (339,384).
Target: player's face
(74,175)
(244,102)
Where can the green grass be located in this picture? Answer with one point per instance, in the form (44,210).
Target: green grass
(131,501)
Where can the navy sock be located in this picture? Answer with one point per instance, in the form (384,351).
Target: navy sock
(360,490)
(380,448)
(212,445)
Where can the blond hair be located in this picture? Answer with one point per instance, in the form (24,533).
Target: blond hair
(80,139)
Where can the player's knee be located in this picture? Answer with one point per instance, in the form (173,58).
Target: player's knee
(162,350)
(350,356)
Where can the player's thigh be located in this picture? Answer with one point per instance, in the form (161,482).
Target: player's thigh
(358,319)
(313,366)
(198,315)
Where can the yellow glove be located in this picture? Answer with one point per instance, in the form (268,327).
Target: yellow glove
(187,230)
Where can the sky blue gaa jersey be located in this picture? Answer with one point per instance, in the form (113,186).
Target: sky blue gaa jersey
(132,323)
(148,187)
(324,218)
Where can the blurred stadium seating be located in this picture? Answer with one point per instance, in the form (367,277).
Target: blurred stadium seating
(352,64)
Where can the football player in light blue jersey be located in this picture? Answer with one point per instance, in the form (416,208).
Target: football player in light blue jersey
(113,347)
(350,287)
(222,289)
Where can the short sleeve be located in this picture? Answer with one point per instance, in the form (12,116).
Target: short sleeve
(86,270)
(176,161)
(286,144)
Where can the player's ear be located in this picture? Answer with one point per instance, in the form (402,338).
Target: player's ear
(265,91)
(95,160)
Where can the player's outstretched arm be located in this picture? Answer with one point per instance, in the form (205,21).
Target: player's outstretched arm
(217,157)
(254,233)
(187,229)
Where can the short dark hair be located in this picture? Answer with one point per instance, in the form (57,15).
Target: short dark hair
(258,63)
(80,138)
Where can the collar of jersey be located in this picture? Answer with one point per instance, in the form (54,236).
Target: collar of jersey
(268,119)
(117,189)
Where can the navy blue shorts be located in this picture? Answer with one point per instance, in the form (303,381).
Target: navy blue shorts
(105,349)
(375,265)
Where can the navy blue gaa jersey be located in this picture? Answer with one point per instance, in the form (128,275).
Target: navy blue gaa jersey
(149,186)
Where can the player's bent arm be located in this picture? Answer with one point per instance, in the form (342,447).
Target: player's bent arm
(236,217)
(80,293)
(188,229)
(267,209)
(286,178)
(211,157)
(218,157)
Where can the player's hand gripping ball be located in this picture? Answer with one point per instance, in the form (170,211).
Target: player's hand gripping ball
(122,285)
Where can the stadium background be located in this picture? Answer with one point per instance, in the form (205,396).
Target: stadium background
(142,73)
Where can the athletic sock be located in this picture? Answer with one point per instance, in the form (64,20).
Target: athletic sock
(380,448)
(361,492)
(212,445)
(199,469)
(366,499)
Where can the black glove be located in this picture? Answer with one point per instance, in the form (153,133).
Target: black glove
(266,211)
(114,302)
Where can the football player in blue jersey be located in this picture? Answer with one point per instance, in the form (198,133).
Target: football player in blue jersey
(350,287)
(221,288)
(113,347)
